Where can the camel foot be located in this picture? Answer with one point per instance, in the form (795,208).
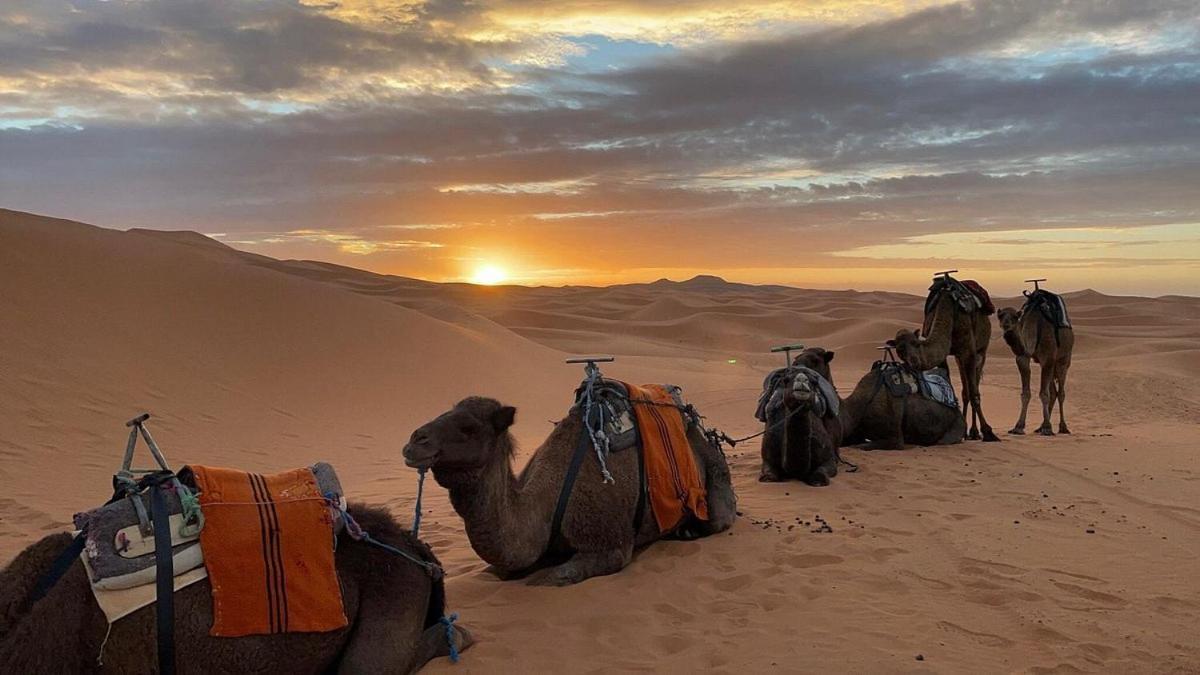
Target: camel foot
(1062,429)
(1017,431)
(818,480)
(555,576)
(1045,431)
(973,435)
(990,436)
(769,477)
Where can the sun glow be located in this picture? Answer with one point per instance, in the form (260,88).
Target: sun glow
(489,275)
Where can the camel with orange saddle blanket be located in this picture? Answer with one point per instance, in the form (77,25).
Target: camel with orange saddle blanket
(627,466)
(272,584)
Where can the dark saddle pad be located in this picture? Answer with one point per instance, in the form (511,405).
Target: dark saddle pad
(620,423)
(1050,305)
(968,294)
(901,380)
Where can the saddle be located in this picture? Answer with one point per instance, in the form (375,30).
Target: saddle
(967,294)
(1049,305)
(119,538)
(806,385)
(615,411)
(902,380)
(655,420)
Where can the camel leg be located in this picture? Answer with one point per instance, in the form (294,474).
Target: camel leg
(1023,369)
(964,374)
(989,436)
(772,460)
(896,441)
(722,501)
(827,470)
(1061,376)
(583,565)
(389,636)
(1046,394)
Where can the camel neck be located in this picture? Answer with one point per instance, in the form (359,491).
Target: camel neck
(936,345)
(507,516)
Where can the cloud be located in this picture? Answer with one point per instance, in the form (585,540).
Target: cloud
(781,127)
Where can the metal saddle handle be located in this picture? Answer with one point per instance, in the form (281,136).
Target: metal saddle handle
(787,351)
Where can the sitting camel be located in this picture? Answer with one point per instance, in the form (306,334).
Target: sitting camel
(951,330)
(1029,334)
(508,516)
(802,433)
(392,604)
(874,414)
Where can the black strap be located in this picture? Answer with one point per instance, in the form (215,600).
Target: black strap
(581,448)
(58,568)
(165,581)
(643,487)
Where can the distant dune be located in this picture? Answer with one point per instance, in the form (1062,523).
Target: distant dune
(976,557)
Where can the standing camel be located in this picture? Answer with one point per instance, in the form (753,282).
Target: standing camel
(508,516)
(951,330)
(1030,334)
(393,606)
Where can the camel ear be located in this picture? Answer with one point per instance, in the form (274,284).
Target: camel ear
(828,357)
(503,418)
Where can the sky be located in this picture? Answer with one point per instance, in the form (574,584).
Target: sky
(833,144)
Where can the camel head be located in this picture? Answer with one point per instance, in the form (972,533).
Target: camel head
(1009,318)
(815,358)
(910,347)
(466,437)
(799,392)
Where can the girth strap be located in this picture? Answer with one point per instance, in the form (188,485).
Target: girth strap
(58,568)
(564,494)
(165,581)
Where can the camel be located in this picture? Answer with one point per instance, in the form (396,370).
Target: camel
(949,330)
(1030,335)
(508,515)
(798,443)
(392,604)
(873,414)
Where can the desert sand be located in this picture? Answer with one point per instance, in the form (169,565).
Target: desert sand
(1065,554)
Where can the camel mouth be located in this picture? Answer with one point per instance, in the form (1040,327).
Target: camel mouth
(416,461)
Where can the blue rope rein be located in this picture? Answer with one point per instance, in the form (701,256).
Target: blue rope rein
(448,622)
(357,533)
(416,528)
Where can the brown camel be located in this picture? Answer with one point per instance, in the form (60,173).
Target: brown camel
(1030,335)
(949,330)
(799,443)
(393,606)
(873,414)
(508,516)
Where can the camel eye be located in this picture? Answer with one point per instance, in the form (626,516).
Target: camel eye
(467,429)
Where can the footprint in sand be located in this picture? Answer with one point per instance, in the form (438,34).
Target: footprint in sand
(1103,600)
(983,638)
(806,560)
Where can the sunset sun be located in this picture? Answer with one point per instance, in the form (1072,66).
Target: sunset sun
(489,275)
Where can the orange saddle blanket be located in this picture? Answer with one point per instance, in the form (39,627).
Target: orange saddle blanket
(268,546)
(673,480)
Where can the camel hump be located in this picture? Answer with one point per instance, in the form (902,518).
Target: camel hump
(1049,305)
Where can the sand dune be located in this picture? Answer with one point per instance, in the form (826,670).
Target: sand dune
(975,557)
